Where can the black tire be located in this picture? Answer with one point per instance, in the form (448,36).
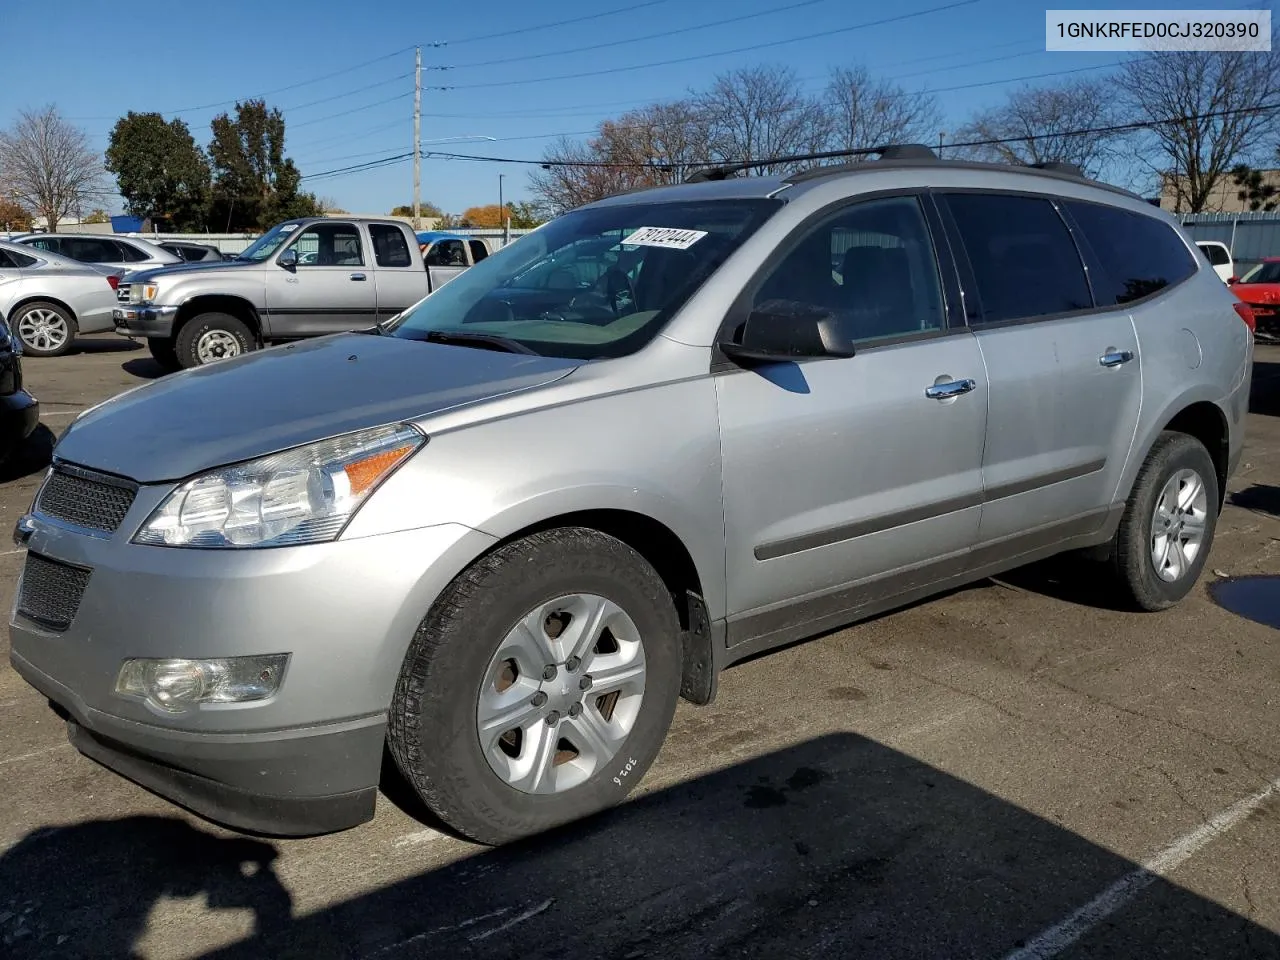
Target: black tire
(72,328)
(187,342)
(432,721)
(1131,559)
(165,352)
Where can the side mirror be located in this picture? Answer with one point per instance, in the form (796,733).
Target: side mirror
(781,330)
(288,259)
(1231,280)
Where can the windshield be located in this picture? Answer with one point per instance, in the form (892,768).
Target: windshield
(268,243)
(593,283)
(1268,272)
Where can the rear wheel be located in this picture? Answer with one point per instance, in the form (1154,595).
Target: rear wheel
(1167,529)
(540,687)
(211,337)
(165,352)
(45,329)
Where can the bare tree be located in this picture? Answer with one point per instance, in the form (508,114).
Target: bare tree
(866,112)
(1208,105)
(46,164)
(754,113)
(1042,124)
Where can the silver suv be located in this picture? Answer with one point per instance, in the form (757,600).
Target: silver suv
(506,530)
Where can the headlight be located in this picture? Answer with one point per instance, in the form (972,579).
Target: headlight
(178,685)
(304,495)
(143,292)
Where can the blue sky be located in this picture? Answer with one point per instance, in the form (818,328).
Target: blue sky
(97,60)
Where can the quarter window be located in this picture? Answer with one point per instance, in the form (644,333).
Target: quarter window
(1141,255)
(447,253)
(1024,261)
(129,253)
(389,246)
(870,265)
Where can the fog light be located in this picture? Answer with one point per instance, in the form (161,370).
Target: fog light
(176,685)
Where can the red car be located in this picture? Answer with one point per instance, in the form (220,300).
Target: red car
(1260,289)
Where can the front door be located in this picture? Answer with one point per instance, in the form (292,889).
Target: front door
(1065,374)
(400,277)
(848,480)
(331,288)
(445,260)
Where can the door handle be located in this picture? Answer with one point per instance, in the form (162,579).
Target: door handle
(357,276)
(1113,358)
(941,391)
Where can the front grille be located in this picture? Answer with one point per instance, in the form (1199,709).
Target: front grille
(51,591)
(85,499)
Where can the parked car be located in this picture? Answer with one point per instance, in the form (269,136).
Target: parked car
(47,299)
(124,253)
(191,252)
(1219,256)
(302,278)
(1260,289)
(19,411)
(505,531)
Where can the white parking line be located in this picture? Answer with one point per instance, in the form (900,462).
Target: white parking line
(1058,938)
(46,414)
(34,754)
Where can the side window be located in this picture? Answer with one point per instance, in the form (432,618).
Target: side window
(6,261)
(129,253)
(49,244)
(89,250)
(21,259)
(478,250)
(1217,255)
(1024,260)
(1141,254)
(389,246)
(870,265)
(447,253)
(330,245)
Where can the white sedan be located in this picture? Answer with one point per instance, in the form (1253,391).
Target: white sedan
(47,299)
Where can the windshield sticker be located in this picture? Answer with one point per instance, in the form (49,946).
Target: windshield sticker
(287,227)
(670,237)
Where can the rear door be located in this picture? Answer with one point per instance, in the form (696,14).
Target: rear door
(445,259)
(330,290)
(400,278)
(1065,379)
(847,480)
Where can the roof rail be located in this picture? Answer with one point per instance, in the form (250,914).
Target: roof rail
(891,151)
(1059,166)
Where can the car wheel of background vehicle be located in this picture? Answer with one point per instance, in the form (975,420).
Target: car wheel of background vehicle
(1167,529)
(165,352)
(211,337)
(45,329)
(540,687)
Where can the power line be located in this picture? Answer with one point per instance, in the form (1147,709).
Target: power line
(365,106)
(956,4)
(649,36)
(520,31)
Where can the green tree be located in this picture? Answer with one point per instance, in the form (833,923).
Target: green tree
(255,185)
(160,170)
(526,214)
(98,215)
(426,208)
(1254,191)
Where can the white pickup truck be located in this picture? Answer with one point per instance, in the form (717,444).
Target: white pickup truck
(302,278)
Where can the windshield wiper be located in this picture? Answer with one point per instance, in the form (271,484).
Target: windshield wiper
(484,341)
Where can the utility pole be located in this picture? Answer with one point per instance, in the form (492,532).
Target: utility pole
(502,210)
(417,139)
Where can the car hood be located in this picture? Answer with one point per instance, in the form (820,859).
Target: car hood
(199,266)
(274,399)
(1257,292)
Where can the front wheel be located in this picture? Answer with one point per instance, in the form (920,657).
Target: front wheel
(540,687)
(211,337)
(1169,520)
(45,329)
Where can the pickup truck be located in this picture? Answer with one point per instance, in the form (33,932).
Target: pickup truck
(302,278)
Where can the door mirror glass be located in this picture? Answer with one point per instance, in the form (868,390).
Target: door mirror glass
(289,259)
(779,330)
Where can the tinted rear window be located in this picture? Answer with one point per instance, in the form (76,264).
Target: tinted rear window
(1024,260)
(1141,254)
(1217,255)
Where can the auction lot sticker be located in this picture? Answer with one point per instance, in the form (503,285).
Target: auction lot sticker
(670,237)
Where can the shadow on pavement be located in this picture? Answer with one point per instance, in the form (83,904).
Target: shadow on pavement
(108,343)
(144,368)
(32,456)
(1258,497)
(838,847)
(1264,395)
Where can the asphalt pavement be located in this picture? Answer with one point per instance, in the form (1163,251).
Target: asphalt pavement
(1016,769)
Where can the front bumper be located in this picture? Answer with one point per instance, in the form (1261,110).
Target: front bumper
(305,760)
(19,417)
(144,321)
